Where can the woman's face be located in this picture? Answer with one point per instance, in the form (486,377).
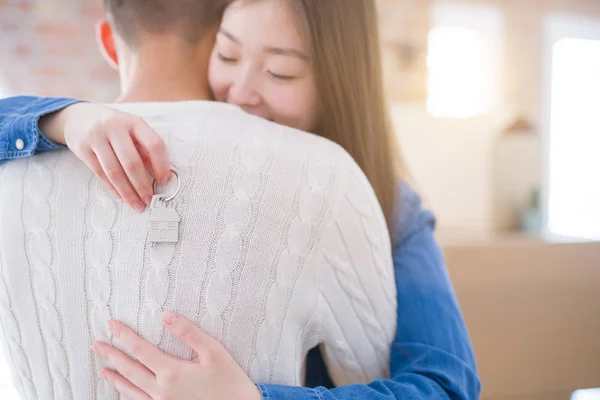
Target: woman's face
(261,63)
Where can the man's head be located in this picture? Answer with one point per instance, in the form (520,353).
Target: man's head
(131,22)
(189,19)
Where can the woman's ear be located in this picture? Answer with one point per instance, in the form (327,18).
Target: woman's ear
(106,43)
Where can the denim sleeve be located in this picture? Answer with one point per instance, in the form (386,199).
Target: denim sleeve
(432,356)
(20,135)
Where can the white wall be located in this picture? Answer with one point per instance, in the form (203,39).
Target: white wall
(4,88)
(450,162)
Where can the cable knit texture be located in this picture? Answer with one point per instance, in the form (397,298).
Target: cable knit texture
(282,247)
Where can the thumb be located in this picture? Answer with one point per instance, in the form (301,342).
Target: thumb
(187,332)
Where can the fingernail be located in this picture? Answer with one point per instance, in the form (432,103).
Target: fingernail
(148,200)
(139,206)
(103,375)
(109,326)
(97,349)
(164,181)
(169,318)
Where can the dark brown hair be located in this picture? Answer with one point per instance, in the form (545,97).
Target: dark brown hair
(189,18)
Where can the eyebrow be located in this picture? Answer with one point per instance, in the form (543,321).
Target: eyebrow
(229,36)
(283,51)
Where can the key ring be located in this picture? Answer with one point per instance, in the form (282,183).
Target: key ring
(167,199)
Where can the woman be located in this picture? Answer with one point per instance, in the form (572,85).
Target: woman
(329,82)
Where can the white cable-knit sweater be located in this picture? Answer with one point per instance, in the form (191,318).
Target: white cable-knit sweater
(282,247)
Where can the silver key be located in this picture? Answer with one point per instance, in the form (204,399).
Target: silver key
(163,221)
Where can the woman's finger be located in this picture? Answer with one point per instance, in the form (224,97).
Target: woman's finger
(145,352)
(146,160)
(133,166)
(89,159)
(116,175)
(132,370)
(124,386)
(154,147)
(188,333)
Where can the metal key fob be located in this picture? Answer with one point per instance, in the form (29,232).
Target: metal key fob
(163,221)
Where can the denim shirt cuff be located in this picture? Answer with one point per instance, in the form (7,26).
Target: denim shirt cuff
(277,392)
(25,126)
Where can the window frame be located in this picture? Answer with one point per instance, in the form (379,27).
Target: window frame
(557,26)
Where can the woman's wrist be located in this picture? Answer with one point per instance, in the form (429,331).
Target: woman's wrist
(53,125)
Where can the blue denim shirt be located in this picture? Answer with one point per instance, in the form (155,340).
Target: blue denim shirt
(19,118)
(431,358)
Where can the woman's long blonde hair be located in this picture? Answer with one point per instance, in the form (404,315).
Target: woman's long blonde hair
(344,40)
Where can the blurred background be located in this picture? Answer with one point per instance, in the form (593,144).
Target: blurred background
(496,104)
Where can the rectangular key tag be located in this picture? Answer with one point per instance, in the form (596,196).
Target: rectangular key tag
(163,221)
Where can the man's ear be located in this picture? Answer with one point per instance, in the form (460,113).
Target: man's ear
(106,43)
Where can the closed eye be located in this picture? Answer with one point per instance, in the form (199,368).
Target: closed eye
(285,78)
(226,59)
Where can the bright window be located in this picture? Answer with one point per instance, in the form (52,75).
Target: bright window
(464,73)
(573,204)
(590,394)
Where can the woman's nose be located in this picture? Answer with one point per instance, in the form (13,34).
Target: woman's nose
(243,92)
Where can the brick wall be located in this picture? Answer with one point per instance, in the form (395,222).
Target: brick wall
(48,47)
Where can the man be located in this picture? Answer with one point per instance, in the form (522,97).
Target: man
(164,57)
(161,50)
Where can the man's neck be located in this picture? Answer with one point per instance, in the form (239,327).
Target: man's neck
(166,70)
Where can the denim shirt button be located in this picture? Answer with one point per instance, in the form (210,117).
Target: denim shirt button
(20,144)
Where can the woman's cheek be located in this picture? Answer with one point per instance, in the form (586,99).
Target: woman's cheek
(301,107)
(217,80)
(296,111)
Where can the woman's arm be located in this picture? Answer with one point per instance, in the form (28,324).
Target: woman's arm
(119,148)
(432,357)
(20,135)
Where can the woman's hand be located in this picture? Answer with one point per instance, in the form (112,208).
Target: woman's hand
(211,375)
(121,149)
